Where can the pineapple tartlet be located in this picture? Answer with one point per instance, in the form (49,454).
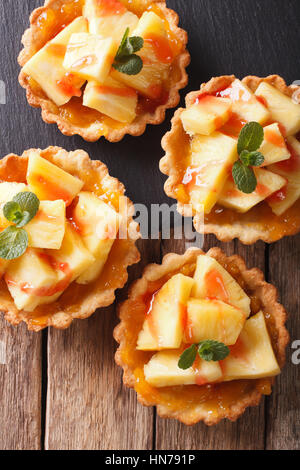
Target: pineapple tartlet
(104,67)
(67,237)
(201,337)
(247,188)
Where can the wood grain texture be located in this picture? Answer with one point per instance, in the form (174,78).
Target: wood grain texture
(283,406)
(20,391)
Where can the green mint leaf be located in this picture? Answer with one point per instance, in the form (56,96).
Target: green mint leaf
(188,357)
(252,158)
(29,204)
(126,61)
(212,350)
(244,177)
(12,212)
(251,137)
(123,45)
(13,242)
(137,43)
(130,65)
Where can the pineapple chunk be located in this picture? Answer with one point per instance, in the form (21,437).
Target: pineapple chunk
(252,357)
(282,108)
(47,228)
(245,104)
(163,327)
(162,371)
(214,282)
(267,184)
(211,160)
(156,54)
(213,319)
(289,169)
(273,147)
(113,99)
(73,254)
(7,192)
(98,224)
(109,18)
(49,182)
(206,116)
(89,56)
(31,280)
(46,66)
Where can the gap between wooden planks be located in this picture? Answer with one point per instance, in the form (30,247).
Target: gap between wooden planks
(87,406)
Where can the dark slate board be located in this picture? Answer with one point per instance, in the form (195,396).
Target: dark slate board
(243,37)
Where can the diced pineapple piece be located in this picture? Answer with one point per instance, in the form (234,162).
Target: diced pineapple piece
(49,182)
(212,281)
(245,104)
(73,254)
(284,199)
(156,55)
(164,324)
(267,184)
(206,115)
(162,371)
(252,357)
(113,99)
(213,319)
(98,226)
(89,56)
(7,192)
(289,169)
(31,280)
(109,18)
(282,108)
(211,161)
(273,147)
(46,66)
(47,228)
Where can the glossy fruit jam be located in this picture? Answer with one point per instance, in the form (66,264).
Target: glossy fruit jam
(215,399)
(114,273)
(57,16)
(260,217)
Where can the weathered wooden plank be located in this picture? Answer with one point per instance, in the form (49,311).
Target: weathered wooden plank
(283,406)
(87,405)
(248,431)
(20,391)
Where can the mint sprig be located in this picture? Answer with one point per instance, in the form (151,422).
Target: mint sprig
(250,139)
(13,242)
(20,211)
(126,61)
(208,350)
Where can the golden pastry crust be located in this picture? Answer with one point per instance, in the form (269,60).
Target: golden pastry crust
(50,112)
(76,301)
(192,413)
(172,143)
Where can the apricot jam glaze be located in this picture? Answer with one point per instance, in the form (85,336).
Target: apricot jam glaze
(215,398)
(260,216)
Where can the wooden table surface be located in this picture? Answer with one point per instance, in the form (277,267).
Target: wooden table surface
(61,389)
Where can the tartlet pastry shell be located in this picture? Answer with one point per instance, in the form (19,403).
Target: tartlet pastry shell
(50,114)
(91,297)
(247,234)
(254,280)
